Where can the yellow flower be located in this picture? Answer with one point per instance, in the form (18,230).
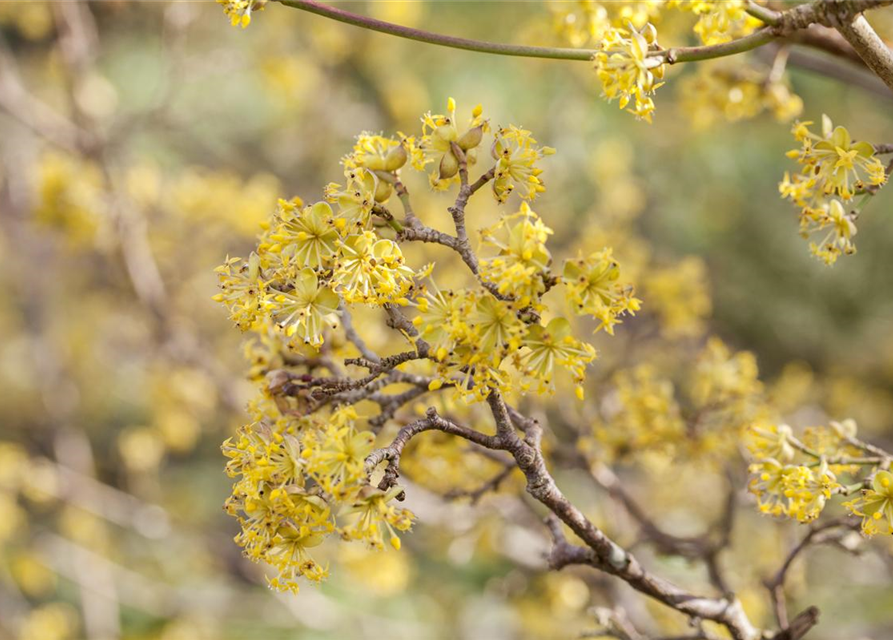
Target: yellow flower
(719,20)
(440,318)
(239,11)
(371,270)
(834,166)
(554,345)
(356,200)
(840,226)
(593,288)
(626,71)
(516,155)
(797,492)
(336,457)
(439,132)
(523,259)
(378,153)
(288,553)
(306,310)
(764,440)
(308,237)
(243,291)
(496,324)
(875,505)
(373,512)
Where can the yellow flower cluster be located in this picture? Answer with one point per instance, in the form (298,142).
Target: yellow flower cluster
(735,91)
(764,439)
(795,491)
(679,297)
(626,71)
(631,64)
(516,155)
(594,288)
(641,414)
(645,412)
(301,462)
(239,11)
(439,133)
(309,259)
(835,168)
(482,344)
(291,473)
(585,21)
(875,505)
(718,20)
(521,265)
(795,478)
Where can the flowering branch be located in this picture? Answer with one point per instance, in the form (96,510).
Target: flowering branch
(555,53)
(779,25)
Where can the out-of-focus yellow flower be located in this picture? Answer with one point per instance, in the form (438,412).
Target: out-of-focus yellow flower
(734,91)
(719,20)
(141,448)
(70,197)
(678,295)
(52,621)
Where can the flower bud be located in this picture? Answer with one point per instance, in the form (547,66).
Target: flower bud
(383,191)
(276,380)
(446,132)
(449,166)
(471,138)
(374,163)
(253,266)
(396,158)
(650,33)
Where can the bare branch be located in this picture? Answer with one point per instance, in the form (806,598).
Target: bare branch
(868,44)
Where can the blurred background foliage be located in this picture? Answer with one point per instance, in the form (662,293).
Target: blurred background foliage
(119,377)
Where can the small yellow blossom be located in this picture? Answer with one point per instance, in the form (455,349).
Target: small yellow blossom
(554,345)
(835,169)
(795,491)
(516,155)
(594,288)
(373,512)
(523,260)
(439,133)
(239,11)
(627,71)
(371,270)
(307,308)
(875,505)
(243,291)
